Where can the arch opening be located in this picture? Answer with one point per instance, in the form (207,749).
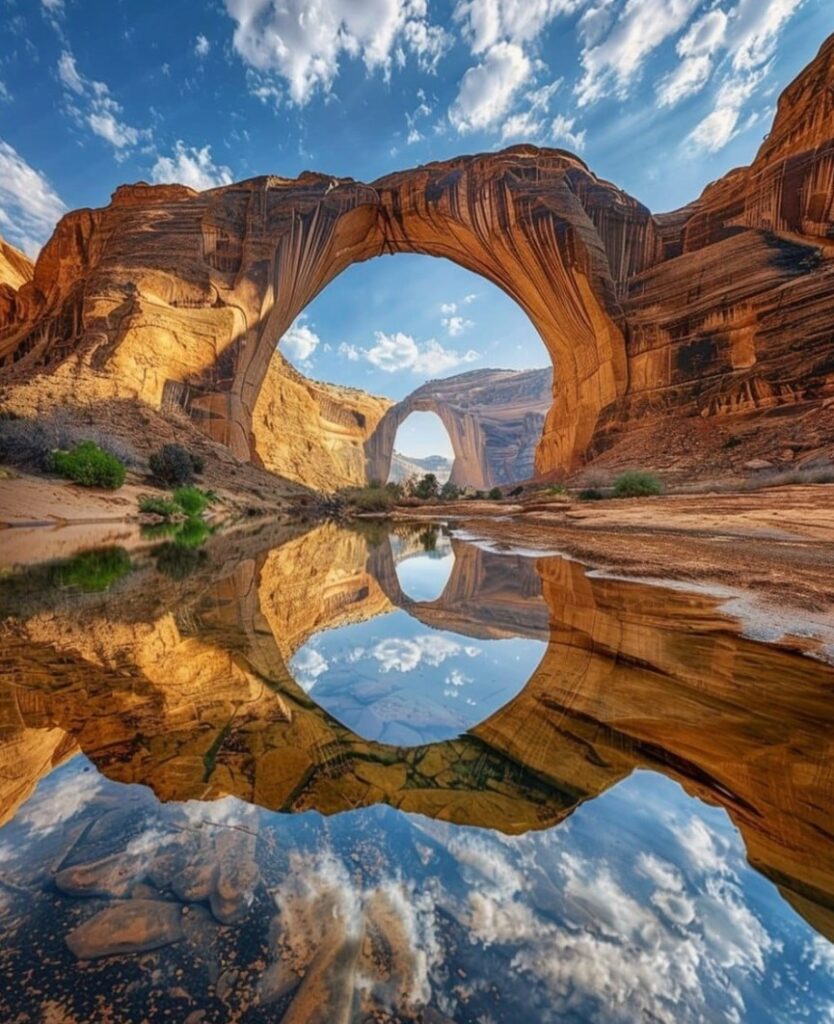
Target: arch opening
(414,344)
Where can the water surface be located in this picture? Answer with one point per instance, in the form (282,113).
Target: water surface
(346,775)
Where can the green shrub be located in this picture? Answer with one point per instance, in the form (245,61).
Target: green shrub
(191,500)
(496,494)
(555,489)
(152,505)
(637,484)
(427,487)
(192,533)
(90,466)
(174,465)
(591,494)
(449,491)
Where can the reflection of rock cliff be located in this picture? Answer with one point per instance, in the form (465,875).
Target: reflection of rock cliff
(494,419)
(725,306)
(185,688)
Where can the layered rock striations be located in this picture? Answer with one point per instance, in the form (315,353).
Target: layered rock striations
(494,419)
(725,307)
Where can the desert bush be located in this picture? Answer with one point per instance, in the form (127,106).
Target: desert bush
(496,494)
(449,491)
(175,465)
(191,500)
(426,487)
(516,492)
(26,443)
(637,484)
(733,441)
(153,505)
(591,494)
(371,499)
(90,466)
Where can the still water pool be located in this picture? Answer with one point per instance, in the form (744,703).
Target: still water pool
(344,775)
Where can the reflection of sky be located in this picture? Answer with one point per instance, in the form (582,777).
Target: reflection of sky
(423,577)
(396,680)
(640,907)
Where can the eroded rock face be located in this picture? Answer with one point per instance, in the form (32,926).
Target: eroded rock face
(15,270)
(494,419)
(723,307)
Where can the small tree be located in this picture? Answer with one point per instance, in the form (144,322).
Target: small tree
(449,491)
(495,494)
(174,465)
(427,487)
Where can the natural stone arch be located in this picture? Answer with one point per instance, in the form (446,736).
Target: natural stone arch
(494,419)
(180,297)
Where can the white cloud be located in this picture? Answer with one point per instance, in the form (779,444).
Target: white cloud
(485,22)
(488,90)
(201,46)
(350,352)
(68,73)
(303,42)
(448,308)
(456,325)
(704,849)
(749,33)
(531,124)
(191,166)
(563,129)
(102,114)
(393,353)
(29,206)
(300,341)
(615,61)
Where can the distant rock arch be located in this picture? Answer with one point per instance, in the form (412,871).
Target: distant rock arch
(494,419)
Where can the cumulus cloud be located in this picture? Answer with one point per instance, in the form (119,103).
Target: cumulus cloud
(29,206)
(300,341)
(456,325)
(696,49)
(484,22)
(191,166)
(201,46)
(488,89)
(304,42)
(393,353)
(724,121)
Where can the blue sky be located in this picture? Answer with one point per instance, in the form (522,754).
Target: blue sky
(660,96)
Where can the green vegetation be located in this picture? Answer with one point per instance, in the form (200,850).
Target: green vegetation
(31,444)
(427,487)
(496,494)
(90,466)
(152,505)
(555,489)
(370,499)
(449,491)
(175,465)
(591,494)
(637,484)
(191,500)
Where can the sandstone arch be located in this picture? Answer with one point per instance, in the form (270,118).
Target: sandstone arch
(494,419)
(182,296)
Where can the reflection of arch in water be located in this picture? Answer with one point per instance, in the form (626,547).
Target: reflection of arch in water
(199,703)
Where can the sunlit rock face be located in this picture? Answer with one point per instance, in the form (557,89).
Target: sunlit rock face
(15,270)
(179,297)
(494,419)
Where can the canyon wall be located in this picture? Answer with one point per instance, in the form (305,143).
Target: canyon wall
(725,307)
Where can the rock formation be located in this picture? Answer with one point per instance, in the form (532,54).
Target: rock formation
(723,307)
(15,270)
(494,419)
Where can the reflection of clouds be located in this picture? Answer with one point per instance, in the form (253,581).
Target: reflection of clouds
(400,654)
(228,811)
(63,799)
(307,665)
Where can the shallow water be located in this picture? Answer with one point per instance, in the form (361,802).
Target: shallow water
(352,775)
